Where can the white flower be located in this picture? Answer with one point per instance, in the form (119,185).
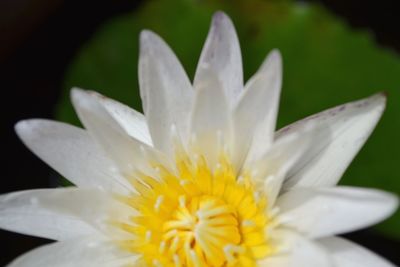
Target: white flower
(202,179)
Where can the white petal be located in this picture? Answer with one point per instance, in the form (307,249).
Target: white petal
(348,254)
(256,111)
(128,153)
(22,212)
(95,207)
(166,91)
(71,152)
(295,250)
(132,121)
(320,212)
(221,54)
(269,171)
(211,121)
(56,208)
(84,252)
(350,125)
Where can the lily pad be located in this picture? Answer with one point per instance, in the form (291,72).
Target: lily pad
(326,63)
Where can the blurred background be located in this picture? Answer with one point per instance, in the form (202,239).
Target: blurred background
(334,51)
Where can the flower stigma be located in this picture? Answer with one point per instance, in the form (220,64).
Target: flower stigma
(198,216)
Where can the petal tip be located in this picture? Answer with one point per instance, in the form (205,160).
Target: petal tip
(390,203)
(219,15)
(274,61)
(221,19)
(377,101)
(21,127)
(276,54)
(151,45)
(76,93)
(382,96)
(79,95)
(81,98)
(149,39)
(146,35)
(276,58)
(394,203)
(27,129)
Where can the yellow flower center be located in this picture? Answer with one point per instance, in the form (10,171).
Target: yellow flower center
(197,216)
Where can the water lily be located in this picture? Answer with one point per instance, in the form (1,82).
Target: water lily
(202,179)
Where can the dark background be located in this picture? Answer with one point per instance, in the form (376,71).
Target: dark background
(38,40)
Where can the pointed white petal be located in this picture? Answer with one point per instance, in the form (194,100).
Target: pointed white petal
(210,122)
(295,250)
(23,212)
(132,121)
(53,213)
(71,152)
(221,54)
(128,153)
(350,125)
(166,91)
(255,113)
(85,252)
(97,208)
(348,254)
(319,212)
(269,171)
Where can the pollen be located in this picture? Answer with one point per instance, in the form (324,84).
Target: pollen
(197,216)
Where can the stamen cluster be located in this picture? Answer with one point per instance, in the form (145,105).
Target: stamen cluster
(197,216)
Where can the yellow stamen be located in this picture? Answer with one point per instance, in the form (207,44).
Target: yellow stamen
(201,216)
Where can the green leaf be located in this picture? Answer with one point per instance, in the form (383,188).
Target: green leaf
(325,64)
